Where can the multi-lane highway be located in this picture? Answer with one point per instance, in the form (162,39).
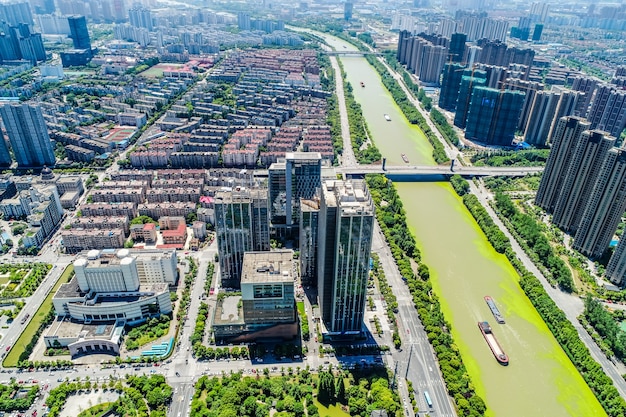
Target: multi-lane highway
(417,361)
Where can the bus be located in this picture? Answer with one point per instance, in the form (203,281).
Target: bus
(428,401)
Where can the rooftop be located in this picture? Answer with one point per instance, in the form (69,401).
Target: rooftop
(274,266)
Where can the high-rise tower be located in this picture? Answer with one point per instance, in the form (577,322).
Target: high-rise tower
(541,116)
(346,224)
(608,110)
(471,79)
(564,137)
(79,32)
(297,177)
(450,84)
(493,115)
(616,268)
(28,135)
(241,225)
(605,208)
(588,156)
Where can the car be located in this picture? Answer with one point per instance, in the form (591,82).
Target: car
(177,373)
(8,348)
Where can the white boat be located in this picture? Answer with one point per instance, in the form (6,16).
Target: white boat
(387,118)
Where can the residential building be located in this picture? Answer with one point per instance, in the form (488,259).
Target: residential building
(470,79)
(450,84)
(541,117)
(144,232)
(42,208)
(493,114)
(616,268)
(241,225)
(28,135)
(566,134)
(608,110)
(605,208)
(346,224)
(156,210)
(140,17)
(588,156)
(101,222)
(77,240)
(199,230)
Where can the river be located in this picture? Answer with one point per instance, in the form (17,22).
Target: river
(540,380)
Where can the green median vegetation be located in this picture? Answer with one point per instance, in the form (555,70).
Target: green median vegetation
(197,337)
(562,329)
(23,347)
(304,321)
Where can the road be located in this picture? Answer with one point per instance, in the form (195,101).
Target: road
(347,156)
(413,170)
(417,361)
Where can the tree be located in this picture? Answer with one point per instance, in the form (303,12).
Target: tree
(191,217)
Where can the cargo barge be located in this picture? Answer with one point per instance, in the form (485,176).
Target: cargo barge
(494,310)
(491,340)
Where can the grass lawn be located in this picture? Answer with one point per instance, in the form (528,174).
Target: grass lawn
(301,308)
(97,410)
(332,410)
(28,333)
(4,279)
(153,72)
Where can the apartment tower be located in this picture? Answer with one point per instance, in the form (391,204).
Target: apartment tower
(588,156)
(28,135)
(605,208)
(567,133)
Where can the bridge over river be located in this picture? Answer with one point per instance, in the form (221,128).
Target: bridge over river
(435,173)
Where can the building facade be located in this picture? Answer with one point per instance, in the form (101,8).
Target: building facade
(566,134)
(605,208)
(587,158)
(241,225)
(346,224)
(28,135)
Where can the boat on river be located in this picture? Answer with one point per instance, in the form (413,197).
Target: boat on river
(405,158)
(494,309)
(387,118)
(491,340)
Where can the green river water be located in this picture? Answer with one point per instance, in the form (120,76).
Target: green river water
(540,380)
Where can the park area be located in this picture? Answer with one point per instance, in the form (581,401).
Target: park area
(21,280)
(297,393)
